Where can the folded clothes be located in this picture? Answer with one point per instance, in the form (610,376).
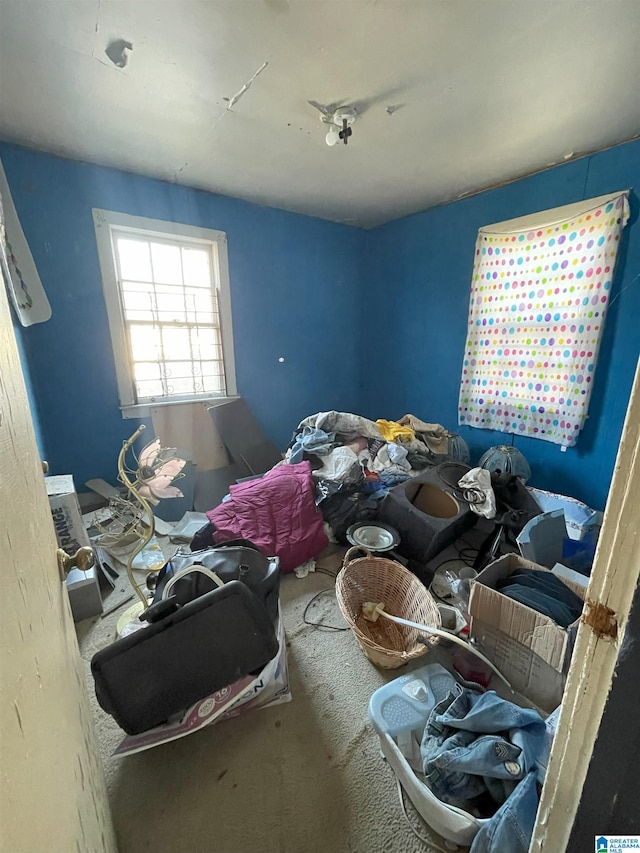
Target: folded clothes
(545,604)
(545,593)
(549,583)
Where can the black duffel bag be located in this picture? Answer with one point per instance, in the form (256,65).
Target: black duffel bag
(212,622)
(237,559)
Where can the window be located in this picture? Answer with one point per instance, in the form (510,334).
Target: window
(539,295)
(166,289)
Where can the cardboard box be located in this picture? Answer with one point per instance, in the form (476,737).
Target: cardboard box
(529,648)
(83,589)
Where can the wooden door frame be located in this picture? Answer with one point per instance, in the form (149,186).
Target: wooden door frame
(600,636)
(53,795)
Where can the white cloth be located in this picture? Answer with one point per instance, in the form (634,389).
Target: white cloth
(477,482)
(337,464)
(398,454)
(303,570)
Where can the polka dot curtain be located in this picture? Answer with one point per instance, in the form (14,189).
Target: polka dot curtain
(538,301)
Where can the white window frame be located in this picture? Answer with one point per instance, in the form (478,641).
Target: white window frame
(106,222)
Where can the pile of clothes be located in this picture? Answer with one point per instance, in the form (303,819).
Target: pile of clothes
(355,461)
(337,469)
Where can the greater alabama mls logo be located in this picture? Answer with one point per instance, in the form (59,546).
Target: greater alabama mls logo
(617,843)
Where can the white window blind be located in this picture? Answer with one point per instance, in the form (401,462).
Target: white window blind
(539,295)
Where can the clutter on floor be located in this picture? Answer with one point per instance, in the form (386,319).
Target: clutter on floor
(466,740)
(82,586)
(468,759)
(529,646)
(264,688)
(277,512)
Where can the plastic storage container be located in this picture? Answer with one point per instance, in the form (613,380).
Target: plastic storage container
(399,712)
(582,521)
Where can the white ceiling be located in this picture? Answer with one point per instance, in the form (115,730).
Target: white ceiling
(486,90)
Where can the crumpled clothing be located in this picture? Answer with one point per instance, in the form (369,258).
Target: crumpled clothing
(346,507)
(478,492)
(477,743)
(393,475)
(303,570)
(398,455)
(512,825)
(310,440)
(435,436)
(420,460)
(337,465)
(342,423)
(358,444)
(377,460)
(393,431)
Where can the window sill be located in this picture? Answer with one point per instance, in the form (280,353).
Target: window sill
(143,410)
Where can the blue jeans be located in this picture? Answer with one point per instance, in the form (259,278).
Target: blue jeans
(476,745)
(511,827)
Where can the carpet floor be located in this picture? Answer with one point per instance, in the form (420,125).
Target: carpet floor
(302,777)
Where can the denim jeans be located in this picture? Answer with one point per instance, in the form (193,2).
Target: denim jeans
(511,827)
(477,744)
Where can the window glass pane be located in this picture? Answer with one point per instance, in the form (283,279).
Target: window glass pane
(206,344)
(146,370)
(178,369)
(177,343)
(210,368)
(181,385)
(167,268)
(145,342)
(137,301)
(195,264)
(170,302)
(212,384)
(134,259)
(153,388)
(200,306)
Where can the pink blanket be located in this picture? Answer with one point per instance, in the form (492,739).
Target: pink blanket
(277,513)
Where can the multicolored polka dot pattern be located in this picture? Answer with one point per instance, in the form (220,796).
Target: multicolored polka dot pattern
(537,309)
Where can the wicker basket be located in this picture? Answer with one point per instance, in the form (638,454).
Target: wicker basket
(370,578)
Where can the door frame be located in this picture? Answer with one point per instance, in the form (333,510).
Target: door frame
(601,634)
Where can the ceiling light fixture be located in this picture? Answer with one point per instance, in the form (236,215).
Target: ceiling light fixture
(339,120)
(343,118)
(332,136)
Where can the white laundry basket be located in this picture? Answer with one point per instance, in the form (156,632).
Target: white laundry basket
(399,711)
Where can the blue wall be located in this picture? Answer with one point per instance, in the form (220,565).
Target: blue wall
(294,291)
(418,275)
(20,332)
(371,322)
